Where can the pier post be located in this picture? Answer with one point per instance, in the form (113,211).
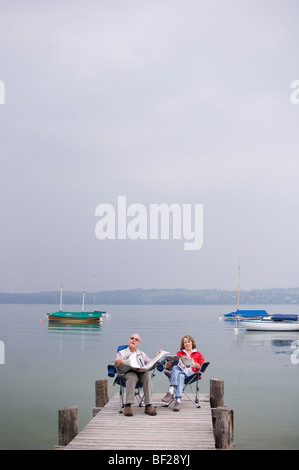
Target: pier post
(223,417)
(101,391)
(224,427)
(216,393)
(67,424)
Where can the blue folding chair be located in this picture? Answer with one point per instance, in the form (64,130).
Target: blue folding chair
(121,381)
(192,384)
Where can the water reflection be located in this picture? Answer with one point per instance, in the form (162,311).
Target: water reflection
(279,341)
(67,332)
(264,346)
(281,346)
(73,327)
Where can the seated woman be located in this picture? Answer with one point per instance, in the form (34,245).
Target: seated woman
(177,379)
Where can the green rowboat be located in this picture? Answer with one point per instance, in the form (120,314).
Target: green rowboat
(76,317)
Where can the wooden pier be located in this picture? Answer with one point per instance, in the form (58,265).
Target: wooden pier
(192,428)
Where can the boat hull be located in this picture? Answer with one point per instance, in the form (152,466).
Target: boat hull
(75,317)
(268,325)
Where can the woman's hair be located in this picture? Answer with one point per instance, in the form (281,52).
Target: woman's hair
(190,339)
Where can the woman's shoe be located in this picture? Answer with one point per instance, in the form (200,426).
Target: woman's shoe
(177,406)
(168,397)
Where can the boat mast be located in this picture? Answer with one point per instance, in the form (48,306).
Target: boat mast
(83,300)
(94,293)
(239,280)
(61,298)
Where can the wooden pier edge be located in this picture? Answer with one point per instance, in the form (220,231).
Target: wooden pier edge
(222,416)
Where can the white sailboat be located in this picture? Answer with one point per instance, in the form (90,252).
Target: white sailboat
(273,323)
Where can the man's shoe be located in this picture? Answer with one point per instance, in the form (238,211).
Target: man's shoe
(168,397)
(150,410)
(177,406)
(128,411)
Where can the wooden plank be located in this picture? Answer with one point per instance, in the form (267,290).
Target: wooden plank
(165,431)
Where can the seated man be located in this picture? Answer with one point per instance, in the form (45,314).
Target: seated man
(123,361)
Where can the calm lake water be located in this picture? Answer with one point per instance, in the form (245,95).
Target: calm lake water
(49,367)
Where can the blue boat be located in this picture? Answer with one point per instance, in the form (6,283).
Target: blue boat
(246,314)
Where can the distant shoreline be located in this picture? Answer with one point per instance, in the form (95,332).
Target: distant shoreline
(159,297)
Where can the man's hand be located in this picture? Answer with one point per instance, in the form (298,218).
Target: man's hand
(118,362)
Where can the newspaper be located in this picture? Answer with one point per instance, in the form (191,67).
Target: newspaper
(134,365)
(187,361)
(172,359)
(186,364)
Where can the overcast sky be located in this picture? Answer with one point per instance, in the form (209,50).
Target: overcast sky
(162,101)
